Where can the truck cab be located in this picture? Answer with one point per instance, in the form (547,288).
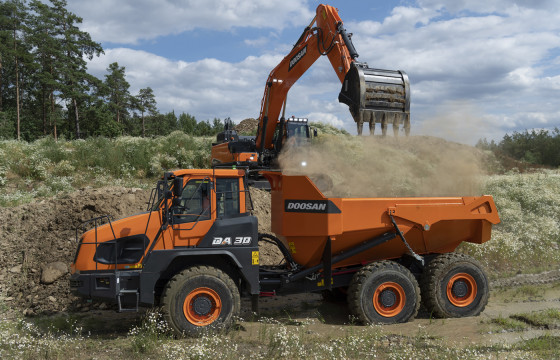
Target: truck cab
(196,219)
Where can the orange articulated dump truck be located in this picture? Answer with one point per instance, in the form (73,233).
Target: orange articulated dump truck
(195,251)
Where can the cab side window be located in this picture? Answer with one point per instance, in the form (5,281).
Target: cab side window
(194,203)
(227,197)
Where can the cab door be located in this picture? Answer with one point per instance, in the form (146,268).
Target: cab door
(193,212)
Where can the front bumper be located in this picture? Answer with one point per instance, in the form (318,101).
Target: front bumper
(104,286)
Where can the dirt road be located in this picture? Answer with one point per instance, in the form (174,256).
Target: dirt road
(506,319)
(333,319)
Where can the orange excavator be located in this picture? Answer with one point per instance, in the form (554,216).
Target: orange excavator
(372,95)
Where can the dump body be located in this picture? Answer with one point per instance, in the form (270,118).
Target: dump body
(304,219)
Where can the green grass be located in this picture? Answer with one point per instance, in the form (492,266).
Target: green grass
(529,291)
(544,347)
(509,324)
(47,167)
(547,319)
(56,338)
(528,237)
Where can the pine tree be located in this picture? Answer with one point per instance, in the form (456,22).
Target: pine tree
(48,55)
(146,102)
(13,17)
(117,91)
(187,123)
(76,44)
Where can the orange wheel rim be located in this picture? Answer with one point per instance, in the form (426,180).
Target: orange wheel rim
(461,289)
(202,306)
(389,299)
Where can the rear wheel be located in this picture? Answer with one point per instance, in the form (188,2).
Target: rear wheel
(198,298)
(454,285)
(384,292)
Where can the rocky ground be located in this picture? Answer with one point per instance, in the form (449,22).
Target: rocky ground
(38,243)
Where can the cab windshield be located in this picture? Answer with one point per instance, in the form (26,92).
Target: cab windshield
(298,130)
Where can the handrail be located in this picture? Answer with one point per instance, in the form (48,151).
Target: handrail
(96,223)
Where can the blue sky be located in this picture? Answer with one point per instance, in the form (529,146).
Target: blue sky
(477,68)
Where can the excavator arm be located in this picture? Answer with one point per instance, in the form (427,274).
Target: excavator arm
(373,95)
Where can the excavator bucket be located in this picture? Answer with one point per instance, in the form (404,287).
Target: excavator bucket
(377,96)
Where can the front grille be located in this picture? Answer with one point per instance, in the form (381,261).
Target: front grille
(76,283)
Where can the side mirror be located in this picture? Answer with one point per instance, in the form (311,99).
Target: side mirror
(177,186)
(314,132)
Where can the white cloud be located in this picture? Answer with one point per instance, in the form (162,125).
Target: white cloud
(477,68)
(206,88)
(327,118)
(128,21)
(493,55)
(485,6)
(258,42)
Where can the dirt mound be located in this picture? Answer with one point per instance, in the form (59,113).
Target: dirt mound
(36,238)
(247,126)
(34,235)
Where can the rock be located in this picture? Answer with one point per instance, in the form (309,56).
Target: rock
(16,269)
(102,306)
(52,299)
(53,271)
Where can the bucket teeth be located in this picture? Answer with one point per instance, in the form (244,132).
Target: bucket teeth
(377,96)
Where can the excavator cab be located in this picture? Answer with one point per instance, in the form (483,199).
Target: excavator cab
(297,129)
(293,131)
(377,96)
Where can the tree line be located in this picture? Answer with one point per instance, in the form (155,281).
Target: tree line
(539,147)
(45,88)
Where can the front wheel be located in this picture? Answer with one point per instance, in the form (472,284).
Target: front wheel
(384,292)
(198,298)
(454,285)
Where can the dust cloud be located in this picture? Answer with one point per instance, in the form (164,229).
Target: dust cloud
(373,166)
(458,120)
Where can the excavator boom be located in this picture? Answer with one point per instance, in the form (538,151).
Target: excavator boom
(373,95)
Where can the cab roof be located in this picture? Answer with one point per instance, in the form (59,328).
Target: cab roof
(210,172)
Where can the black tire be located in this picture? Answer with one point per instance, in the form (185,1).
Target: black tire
(200,298)
(384,292)
(454,285)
